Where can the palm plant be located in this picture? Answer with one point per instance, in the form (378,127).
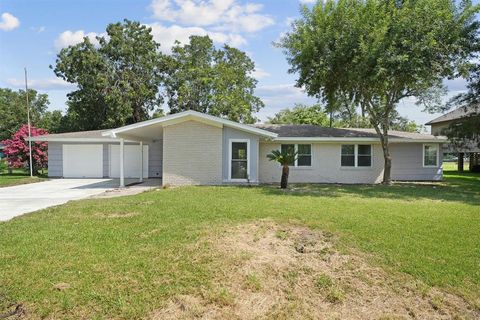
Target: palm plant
(284,158)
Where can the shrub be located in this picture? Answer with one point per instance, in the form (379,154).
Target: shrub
(3,165)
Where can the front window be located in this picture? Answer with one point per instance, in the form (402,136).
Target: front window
(430,155)
(364,155)
(304,154)
(348,155)
(239,165)
(356,155)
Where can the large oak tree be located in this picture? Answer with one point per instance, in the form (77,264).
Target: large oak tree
(217,81)
(378,52)
(118,80)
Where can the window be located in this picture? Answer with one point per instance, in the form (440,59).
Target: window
(290,148)
(304,154)
(356,155)
(239,160)
(348,155)
(430,155)
(364,155)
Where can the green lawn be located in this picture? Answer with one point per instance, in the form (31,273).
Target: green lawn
(18,177)
(124,257)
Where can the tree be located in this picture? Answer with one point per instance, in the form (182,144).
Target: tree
(13,111)
(285,158)
(210,80)
(301,114)
(118,80)
(379,52)
(17,149)
(343,117)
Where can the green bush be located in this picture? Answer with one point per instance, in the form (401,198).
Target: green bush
(3,165)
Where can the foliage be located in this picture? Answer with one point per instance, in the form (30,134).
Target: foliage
(285,158)
(3,165)
(302,114)
(117,80)
(377,53)
(345,117)
(17,149)
(13,112)
(210,80)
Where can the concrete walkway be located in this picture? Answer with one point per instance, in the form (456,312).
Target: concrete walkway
(21,199)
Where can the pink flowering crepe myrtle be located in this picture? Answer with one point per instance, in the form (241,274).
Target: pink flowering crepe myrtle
(17,152)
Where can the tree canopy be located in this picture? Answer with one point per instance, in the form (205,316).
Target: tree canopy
(341,118)
(302,114)
(210,80)
(13,112)
(118,80)
(377,52)
(17,149)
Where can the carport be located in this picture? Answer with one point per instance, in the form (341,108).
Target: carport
(89,154)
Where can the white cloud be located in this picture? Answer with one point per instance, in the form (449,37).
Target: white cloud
(166,36)
(225,15)
(68,38)
(42,84)
(259,73)
(280,96)
(8,22)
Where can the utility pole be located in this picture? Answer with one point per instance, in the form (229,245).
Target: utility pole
(29,126)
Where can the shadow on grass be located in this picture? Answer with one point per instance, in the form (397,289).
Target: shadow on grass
(456,187)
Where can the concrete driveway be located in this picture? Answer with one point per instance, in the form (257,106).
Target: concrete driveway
(17,200)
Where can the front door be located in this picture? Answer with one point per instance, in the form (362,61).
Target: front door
(239,166)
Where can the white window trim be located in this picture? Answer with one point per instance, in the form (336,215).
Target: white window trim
(437,146)
(230,141)
(355,156)
(295,148)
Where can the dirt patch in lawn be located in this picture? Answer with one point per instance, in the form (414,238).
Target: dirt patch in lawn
(275,271)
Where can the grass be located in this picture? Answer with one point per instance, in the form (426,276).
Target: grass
(18,177)
(125,257)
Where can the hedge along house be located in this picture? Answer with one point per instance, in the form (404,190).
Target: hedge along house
(192,148)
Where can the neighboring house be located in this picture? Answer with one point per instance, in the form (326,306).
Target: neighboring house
(192,148)
(442,123)
(1,151)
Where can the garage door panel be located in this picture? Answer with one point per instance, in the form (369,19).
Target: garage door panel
(82,161)
(132,161)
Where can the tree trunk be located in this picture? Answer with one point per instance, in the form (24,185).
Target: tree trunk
(460,162)
(284,181)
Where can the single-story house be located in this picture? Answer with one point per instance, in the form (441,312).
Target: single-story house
(192,148)
(441,124)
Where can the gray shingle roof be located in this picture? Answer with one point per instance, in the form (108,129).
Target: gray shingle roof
(455,114)
(283,130)
(310,131)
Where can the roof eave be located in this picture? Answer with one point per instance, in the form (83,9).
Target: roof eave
(191,114)
(358,139)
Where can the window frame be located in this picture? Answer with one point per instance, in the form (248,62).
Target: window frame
(355,155)
(230,142)
(295,148)
(437,157)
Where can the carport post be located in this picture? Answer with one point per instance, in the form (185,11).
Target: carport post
(141,161)
(122,174)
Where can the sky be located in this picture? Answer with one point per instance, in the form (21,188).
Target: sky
(32,33)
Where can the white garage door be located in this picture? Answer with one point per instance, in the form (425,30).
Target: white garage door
(83,160)
(132,161)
